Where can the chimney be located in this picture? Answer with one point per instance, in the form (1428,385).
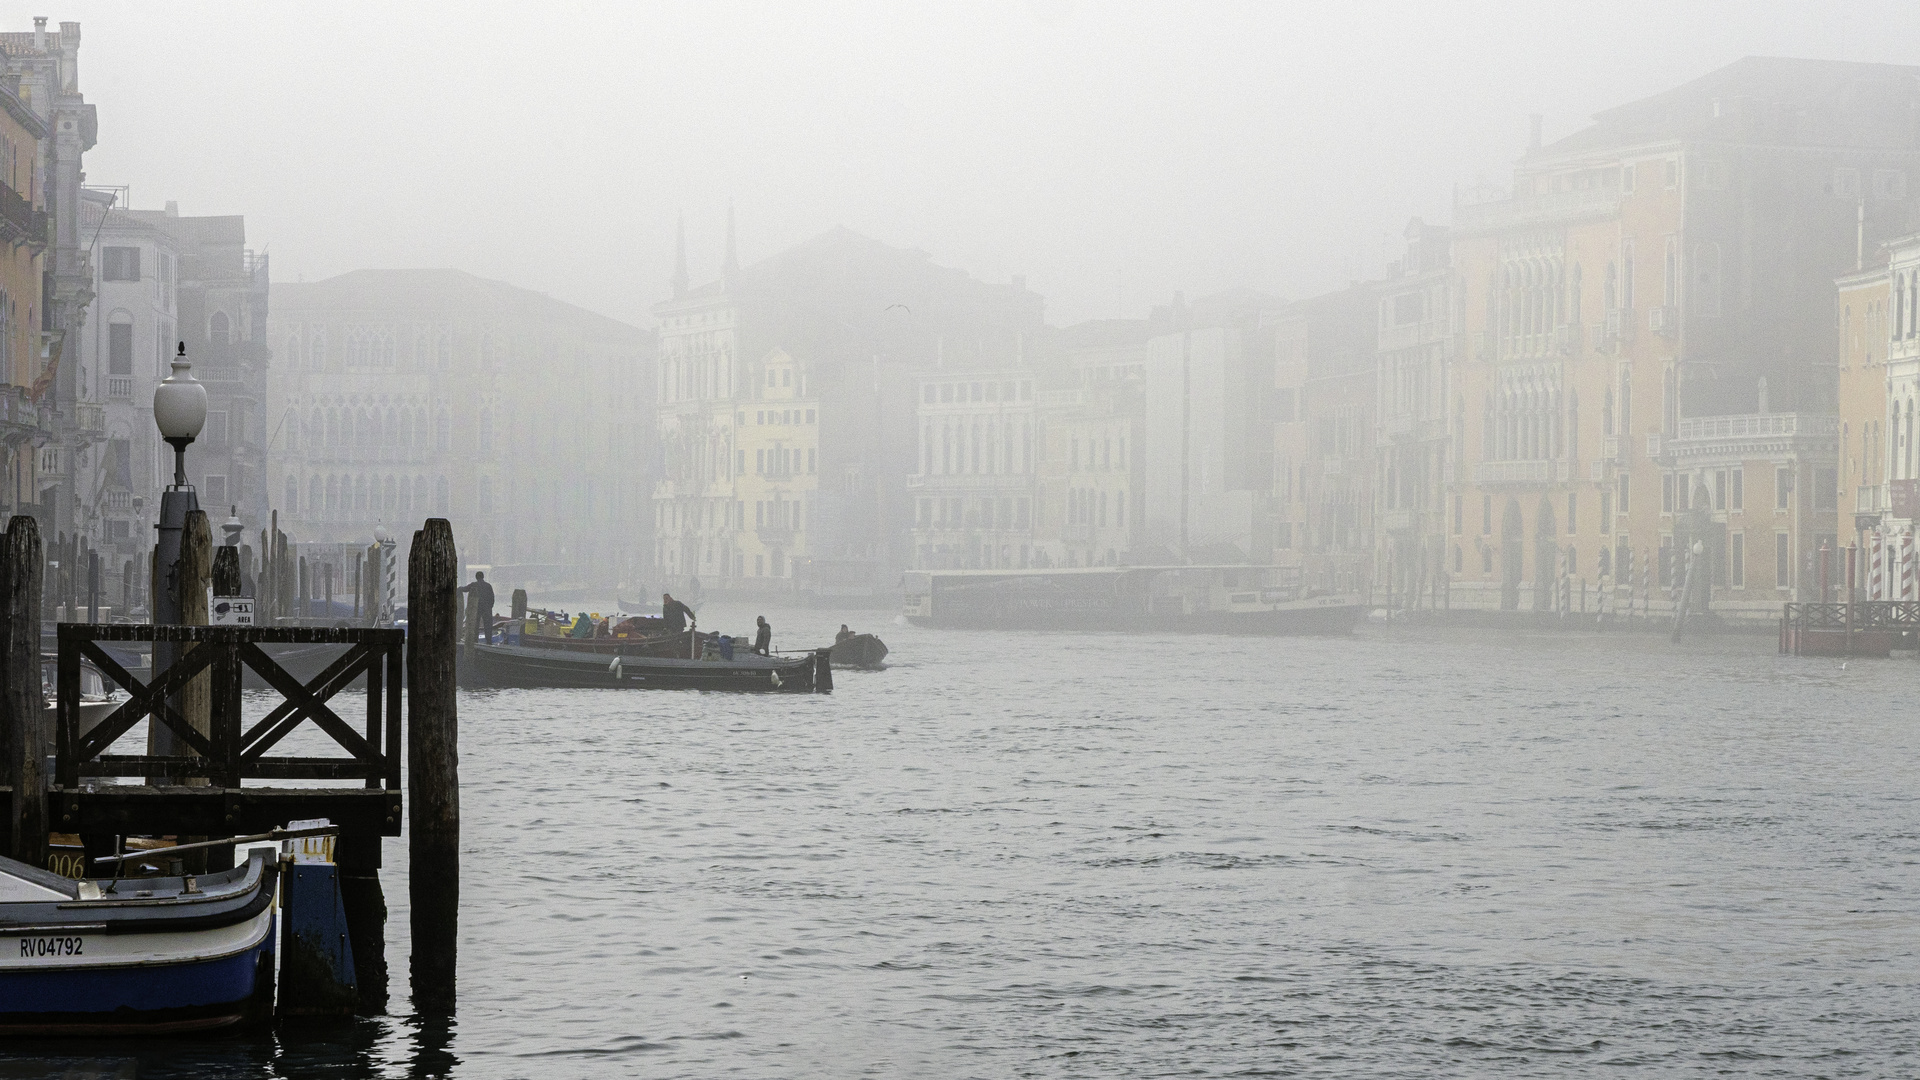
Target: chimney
(1533,135)
(39,33)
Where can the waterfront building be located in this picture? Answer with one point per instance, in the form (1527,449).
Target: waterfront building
(777,465)
(973,486)
(1879,384)
(23,226)
(1649,309)
(1204,436)
(125,349)
(42,71)
(527,421)
(1417,335)
(860,324)
(1089,447)
(1322,404)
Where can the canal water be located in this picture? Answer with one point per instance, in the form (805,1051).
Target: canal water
(1415,852)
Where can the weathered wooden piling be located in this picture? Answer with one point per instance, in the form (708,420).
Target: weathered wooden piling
(469,629)
(358,859)
(519,604)
(433,776)
(28,733)
(823,671)
(93,586)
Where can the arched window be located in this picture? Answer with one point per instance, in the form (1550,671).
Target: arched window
(406,494)
(370,427)
(360,494)
(217,328)
(316,497)
(419,494)
(318,429)
(333,495)
(392,430)
(293,352)
(293,429)
(442,498)
(293,495)
(442,432)
(390,502)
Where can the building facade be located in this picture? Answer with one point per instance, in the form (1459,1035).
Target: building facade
(974,481)
(1651,307)
(25,418)
(858,324)
(1417,337)
(403,394)
(42,69)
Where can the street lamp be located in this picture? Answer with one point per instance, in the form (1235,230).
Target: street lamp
(179,410)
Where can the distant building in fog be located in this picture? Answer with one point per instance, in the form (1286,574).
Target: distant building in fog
(1418,341)
(405,394)
(857,323)
(973,482)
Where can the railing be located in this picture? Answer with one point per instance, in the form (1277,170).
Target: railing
(230,752)
(120,387)
(90,418)
(1761,424)
(1812,627)
(1541,471)
(120,500)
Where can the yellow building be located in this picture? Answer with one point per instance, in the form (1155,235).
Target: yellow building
(23,244)
(1650,356)
(777,463)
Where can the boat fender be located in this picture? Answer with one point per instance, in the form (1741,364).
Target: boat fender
(615,667)
(776,679)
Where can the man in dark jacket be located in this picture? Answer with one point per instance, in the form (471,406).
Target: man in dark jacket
(484,592)
(676,614)
(763,637)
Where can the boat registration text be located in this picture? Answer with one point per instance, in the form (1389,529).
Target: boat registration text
(34,947)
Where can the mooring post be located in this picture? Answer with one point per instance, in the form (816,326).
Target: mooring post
(519,604)
(29,735)
(302,604)
(93,586)
(326,584)
(433,772)
(823,671)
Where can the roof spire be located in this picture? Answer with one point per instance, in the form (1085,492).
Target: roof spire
(680,279)
(730,269)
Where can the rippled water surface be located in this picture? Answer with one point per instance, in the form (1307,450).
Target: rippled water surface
(1408,853)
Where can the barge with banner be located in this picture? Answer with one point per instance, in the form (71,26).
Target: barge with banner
(1226,599)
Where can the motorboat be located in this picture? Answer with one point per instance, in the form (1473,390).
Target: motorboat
(97,701)
(133,955)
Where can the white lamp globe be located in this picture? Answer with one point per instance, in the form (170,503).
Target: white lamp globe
(180,402)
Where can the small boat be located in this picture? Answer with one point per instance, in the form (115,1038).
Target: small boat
(518,667)
(96,701)
(863,651)
(136,955)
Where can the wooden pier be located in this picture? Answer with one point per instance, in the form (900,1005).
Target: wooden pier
(1860,628)
(207,773)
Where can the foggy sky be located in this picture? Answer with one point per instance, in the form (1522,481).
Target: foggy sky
(1111,153)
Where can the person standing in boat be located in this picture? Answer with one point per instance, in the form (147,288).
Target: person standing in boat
(844,634)
(675,614)
(484,593)
(763,636)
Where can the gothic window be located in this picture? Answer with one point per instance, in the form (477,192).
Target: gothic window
(218,329)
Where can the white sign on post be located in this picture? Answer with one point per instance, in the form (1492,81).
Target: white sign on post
(232,611)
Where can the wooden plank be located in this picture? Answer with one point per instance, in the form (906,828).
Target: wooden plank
(212,811)
(345,668)
(266,635)
(315,709)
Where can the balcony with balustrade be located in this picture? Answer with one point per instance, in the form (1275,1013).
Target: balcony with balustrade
(1703,440)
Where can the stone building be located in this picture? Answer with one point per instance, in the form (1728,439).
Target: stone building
(41,69)
(403,394)
(1649,308)
(130,335)
(1091,447)
(1323,407)
(860,323)
(1418,337)
(25,423)
(973,483)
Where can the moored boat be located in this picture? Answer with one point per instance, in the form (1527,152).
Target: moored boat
(135,955)
(520,667)
(863,651)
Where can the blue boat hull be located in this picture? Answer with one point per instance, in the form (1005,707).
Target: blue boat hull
(200,995)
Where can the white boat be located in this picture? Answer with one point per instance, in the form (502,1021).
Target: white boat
(136,955)
(96,701)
